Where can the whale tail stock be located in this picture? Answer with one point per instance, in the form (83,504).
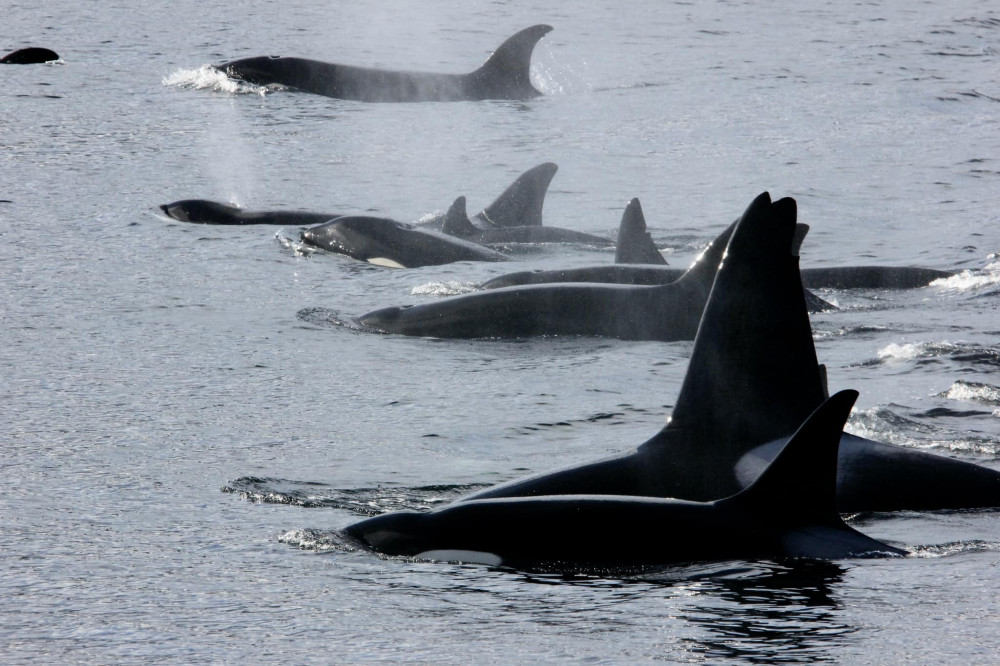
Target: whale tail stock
(506,74)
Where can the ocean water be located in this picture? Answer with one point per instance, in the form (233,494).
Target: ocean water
(180,446)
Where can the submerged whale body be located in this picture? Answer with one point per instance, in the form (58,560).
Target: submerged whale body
(504,76)
(387,242)
(753,378)
(790,510)
(459,225)
(32,55)
(519,204)
(667,312)
(639,262)
(203,211)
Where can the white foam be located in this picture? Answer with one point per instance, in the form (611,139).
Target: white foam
(973,392)
(968,280)
(212,78)
(450,288)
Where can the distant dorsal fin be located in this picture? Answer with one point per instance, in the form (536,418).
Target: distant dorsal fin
(753,375)
(635,245)
(506,74)
(800,484)
(520,205)
(456,221)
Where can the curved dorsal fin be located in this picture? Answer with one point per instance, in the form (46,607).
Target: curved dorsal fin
(753,375)
(456,221)
(506,74)
(635,245)
(520,205)
(800,484)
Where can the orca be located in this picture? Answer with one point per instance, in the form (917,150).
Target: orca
(789,511)
(203,211)
(387,242)
(639,262)
(753,377)
(667,312)
(519,204)
(458,224)
(32,55)
(504,76)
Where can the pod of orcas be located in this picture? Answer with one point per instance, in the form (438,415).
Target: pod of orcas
(506,75)
(32,55)
(753,462)
(639,262)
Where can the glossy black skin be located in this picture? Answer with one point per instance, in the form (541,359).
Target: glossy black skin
(668,312)
(403,245)
(504,76)
(845,277)
(30,56)
(202,211)
(458,224)
(788,511)
(752,378)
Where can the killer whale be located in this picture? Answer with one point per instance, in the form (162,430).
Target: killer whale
(753,377)
(504,76)
(519,204)
(32,55)
(639,262)
(667,312)
(460,226)
(789,511)
(203,211)
(387,242)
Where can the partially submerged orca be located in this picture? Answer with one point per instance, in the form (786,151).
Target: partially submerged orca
(32,55)
(386,242)
(203,211)
(639,262)
(518,205)
(505,75)
(789,511)
(458,224)
(753,378)
(667,312)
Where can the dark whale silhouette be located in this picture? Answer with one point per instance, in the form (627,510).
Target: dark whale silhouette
(753,378)
(387,242)
(505,75)
(665,312)
(519,204)
(790,510)
(638,262)
(460,226)
(29,56)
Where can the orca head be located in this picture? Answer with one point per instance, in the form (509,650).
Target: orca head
(200,210)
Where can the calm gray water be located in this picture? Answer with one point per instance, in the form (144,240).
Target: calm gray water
(149,365)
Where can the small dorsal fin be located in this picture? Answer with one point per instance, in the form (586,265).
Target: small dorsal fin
(753,375)
(456,221)
(506,74)
(800,484)
(635,245)
(520,205)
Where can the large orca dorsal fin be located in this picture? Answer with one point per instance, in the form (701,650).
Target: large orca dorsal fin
(801,230)
(800,484)
(753,375)
(635,245)
(457,222)
(506,74)
(520,205)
